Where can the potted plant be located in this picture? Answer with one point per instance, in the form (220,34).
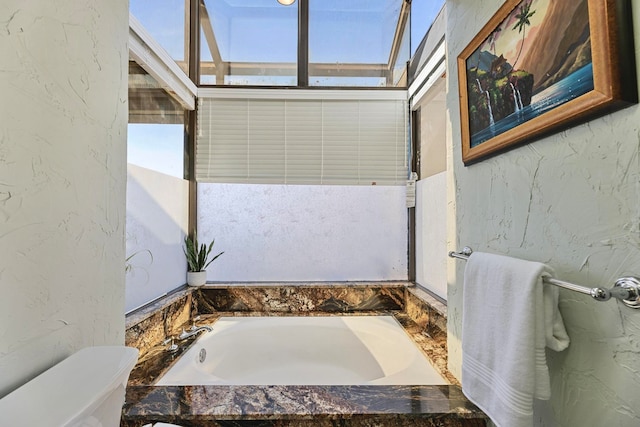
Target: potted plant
(197,260)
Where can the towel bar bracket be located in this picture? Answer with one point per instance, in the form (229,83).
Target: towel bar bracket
(626,289)
(463,254)
(630,288)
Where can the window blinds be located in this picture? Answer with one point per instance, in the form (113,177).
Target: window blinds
(302,141)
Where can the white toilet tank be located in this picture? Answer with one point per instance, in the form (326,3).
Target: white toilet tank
(86,389)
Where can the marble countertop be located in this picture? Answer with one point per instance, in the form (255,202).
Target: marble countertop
(443,405)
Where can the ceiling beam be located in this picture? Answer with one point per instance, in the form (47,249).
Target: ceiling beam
(289,69)
(209,35)
(403,19)
(147,52)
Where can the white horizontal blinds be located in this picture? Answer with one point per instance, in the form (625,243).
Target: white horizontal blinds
(222,149)
(341,142)
(266,141)
(301,141)
(304,139)
(379,158)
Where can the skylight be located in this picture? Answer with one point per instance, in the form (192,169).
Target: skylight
(361,43)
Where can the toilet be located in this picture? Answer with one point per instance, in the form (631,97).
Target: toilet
(84,390)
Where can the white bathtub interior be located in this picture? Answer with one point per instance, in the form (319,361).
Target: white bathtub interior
(294,350)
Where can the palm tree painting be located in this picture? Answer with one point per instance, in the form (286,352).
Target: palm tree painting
(535,59)
(523,21)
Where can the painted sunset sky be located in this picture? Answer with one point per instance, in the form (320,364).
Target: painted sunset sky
(508,42)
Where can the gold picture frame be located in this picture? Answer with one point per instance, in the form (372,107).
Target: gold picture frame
(540,66)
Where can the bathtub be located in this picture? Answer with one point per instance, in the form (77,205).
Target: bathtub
(317,350)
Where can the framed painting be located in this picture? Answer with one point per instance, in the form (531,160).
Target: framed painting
(540,66)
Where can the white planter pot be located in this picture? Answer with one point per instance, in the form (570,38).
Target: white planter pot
(196,278)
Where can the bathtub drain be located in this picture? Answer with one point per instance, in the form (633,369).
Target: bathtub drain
(202,355)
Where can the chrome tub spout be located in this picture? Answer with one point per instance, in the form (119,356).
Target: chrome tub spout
(193,331)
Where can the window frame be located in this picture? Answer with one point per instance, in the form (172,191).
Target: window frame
(303,66)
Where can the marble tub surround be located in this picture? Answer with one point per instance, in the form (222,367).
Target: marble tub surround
(425,309)
(429,312)
(150,325)
(302,297)
(155,322)
(422,316)
(432,342)
(157,360)
(301,406)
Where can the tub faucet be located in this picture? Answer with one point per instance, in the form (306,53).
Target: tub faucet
(171,348)
(193,331)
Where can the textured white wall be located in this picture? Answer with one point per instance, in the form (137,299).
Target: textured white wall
(304,233)
(431,233)
(571,200)
(157,221)
(63,81)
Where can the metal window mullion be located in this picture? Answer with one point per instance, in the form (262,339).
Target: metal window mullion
(303,43)
(194,41)
(192,116)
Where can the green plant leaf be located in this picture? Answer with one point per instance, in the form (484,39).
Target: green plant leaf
(198,254)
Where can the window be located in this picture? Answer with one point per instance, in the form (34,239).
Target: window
(356,43)
(248,43)
(157,147)
(155,137)
(167,21)
(423,14)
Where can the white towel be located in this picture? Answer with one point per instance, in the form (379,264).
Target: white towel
(508,317)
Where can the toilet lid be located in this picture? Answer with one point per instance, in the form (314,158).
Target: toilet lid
(71,390)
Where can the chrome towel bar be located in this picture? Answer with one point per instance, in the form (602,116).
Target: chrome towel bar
(626,289)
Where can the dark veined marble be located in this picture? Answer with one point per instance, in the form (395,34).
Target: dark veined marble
(150,325)
(300,406)
(157,360)
(422,316)
(425,309)
(284,297)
